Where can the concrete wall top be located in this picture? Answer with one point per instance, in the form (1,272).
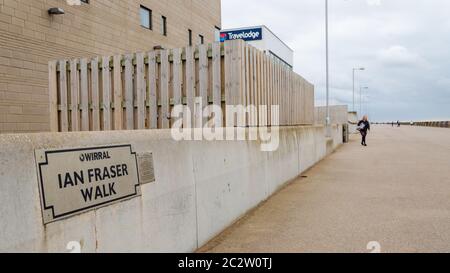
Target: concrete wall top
(338,114)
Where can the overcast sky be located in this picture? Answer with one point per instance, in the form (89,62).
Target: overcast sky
(403,44)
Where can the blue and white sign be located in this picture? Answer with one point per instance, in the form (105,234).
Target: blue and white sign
(254,34)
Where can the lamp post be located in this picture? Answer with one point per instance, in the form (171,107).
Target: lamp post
(360,98)
(328,121)
(355,69)
(368,105)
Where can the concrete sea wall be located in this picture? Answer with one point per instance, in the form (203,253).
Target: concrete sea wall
(353,122)
(338,114)
(201,188)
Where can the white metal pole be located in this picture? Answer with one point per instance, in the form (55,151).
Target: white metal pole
(354,109)
(327,69)
(360,101)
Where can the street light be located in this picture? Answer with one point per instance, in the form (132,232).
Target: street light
(367,101)
(328,121)
(360,98)
(355,69)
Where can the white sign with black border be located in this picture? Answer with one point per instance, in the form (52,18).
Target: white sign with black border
(73,181)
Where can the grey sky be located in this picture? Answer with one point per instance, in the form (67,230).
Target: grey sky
(403,44)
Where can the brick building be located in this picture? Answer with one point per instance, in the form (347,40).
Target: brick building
(30,37)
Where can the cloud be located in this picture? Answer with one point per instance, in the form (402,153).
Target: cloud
(402,44)
(400,56)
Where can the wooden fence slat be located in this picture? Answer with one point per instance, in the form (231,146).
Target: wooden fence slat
(297,93)
(203,83)
(273,93)
(241,84)
(270,92)
(216,78)
(95,93)
(106,94)
(279,98)
(282,96)
(141,88)
(129,98)
(74,97)
(311,104)
(64,126)
(177,77)
(152,98)
(260,85)
(190,82)
(289,97)
(53,95)
(265,92)
(84,95)
(302,104)
(247,74)
(285,96)
(255,86)
(250,102)
(302,118)
(266,89)
(296,101)
(269,88)
(118,96)
(165,118)
(229,121)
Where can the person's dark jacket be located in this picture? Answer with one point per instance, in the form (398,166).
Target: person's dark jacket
(366,125)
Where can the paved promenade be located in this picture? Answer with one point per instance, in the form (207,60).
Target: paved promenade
(396,192)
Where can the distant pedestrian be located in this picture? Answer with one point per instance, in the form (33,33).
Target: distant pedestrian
(363,128)
(392,124)
(398,123)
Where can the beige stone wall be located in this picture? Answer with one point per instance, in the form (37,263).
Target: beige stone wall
(29,38)
(338,114)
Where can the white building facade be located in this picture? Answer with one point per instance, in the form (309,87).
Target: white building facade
(262,38)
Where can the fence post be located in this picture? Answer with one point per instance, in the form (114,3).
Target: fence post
(84,95)
(106,94)
(118,97)
(217,81)
(64,127)
(53,96)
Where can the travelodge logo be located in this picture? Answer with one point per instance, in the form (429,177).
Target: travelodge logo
(246,35)
(223,37)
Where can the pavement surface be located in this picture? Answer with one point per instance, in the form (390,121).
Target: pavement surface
(394,193)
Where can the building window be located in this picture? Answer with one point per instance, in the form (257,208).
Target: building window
(190,37)
(201,39)
(146,17)
(164,25)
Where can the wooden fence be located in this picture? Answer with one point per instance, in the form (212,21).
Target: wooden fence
(138,91)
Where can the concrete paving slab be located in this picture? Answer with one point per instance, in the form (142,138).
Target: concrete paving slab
(396,192)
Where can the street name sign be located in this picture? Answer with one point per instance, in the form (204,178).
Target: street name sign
(74,181)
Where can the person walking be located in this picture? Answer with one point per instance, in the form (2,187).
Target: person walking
(363,128)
